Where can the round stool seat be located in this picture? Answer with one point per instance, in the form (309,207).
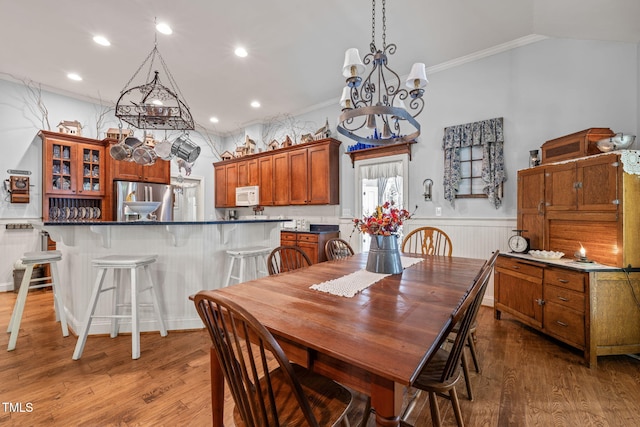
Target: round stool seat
(29,260)
(251,251)
(41,257)
(254,253)
(119,264)
(124,261)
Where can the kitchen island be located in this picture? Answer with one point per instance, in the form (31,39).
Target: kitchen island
(191,257)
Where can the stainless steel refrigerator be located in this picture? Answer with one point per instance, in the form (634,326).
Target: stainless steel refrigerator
(142,192)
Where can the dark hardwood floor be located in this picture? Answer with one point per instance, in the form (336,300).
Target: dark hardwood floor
(526,380)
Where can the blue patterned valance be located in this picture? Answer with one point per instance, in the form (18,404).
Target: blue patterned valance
(488,134)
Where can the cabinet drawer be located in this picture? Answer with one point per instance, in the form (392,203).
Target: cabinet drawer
(564,297)
(565,324)
(564,278)
(289,238)
(311,238)
(511,264)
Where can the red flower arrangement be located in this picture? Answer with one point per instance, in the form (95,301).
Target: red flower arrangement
(385,221)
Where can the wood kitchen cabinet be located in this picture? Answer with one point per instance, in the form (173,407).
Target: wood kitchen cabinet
(265,180)
(311,243)
(592,309)
(281,179)
(226,176)
(248,173)
(72,166)
(314,175)
(159,172)
(303,174)
(73,177)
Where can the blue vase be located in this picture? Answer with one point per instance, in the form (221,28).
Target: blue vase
(384,255)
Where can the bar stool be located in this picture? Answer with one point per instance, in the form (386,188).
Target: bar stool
(117,263)
(257,254)
(30,259)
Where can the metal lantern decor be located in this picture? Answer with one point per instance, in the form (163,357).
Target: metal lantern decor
(374,108)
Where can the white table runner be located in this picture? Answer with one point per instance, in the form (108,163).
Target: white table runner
(349,285)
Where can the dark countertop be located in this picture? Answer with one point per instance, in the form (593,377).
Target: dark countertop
(127,223)
(293,230)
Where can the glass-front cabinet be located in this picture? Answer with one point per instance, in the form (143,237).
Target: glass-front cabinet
(74,177)
(72,168)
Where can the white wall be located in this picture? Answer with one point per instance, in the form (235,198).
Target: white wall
(543,90)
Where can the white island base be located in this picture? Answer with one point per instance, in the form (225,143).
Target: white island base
(191,257)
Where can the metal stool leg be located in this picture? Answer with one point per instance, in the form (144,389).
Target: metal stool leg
(18,308)
(82,338)
(57,299)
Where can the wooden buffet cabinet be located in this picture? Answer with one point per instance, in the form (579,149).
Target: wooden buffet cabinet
(78,175)
(590,202)
(589,307)
(312,243)
(303,174)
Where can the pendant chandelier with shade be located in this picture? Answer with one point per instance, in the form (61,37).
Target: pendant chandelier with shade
(376,109)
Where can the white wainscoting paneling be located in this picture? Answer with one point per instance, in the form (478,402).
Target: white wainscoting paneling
(471,238)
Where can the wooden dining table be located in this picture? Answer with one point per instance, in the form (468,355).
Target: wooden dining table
(375,342)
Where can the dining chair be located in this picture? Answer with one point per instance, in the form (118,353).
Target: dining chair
(337,249)
(443,370)
(471,338)
(287,258)
(427,241)
(267,393)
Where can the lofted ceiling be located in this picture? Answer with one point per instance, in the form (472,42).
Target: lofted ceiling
(296,47)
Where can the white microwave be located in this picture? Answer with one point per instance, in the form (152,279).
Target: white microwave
(248,196)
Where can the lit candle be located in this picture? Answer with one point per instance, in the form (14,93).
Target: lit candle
(583,252)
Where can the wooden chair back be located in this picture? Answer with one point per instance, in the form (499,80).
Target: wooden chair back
(257,394)
(337,249)
(427,241)
(462,318)
(287,258)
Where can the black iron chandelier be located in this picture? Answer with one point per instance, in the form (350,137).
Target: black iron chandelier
(374,110)
(152,105)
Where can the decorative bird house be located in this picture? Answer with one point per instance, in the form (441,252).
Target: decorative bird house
(70,127)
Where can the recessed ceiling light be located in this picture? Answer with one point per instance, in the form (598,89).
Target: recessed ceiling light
(164,28)
(101,40)
(241,52)
(74,76)
(214,120)
(255,104)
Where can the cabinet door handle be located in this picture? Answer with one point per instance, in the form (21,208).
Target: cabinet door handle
(540,301)
(516,267)
(563,281)
(561,323)
(563,299)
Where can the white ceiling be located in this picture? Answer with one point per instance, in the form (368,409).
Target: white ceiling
(296,47)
